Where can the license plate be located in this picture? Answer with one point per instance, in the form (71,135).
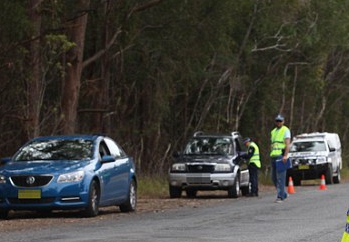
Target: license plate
(29,194)
(303,167)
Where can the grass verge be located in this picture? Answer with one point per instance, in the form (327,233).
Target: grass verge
(152,187)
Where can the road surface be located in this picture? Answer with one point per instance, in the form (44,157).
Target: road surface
(310,214)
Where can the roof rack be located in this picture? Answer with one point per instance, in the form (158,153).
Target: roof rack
(311,135)
(198,133)
(235,133)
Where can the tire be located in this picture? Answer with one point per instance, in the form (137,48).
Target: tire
(191,193)
(296,181)
(337,179)
(329,175)
(246,190)
(175,192)
(93,200)
(131,202)
(4,214)
(234,190)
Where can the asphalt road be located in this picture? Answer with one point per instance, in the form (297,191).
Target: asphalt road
(310,214)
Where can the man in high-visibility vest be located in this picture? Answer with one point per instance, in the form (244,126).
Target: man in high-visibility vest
(280,146)
(345,237)
(253,165)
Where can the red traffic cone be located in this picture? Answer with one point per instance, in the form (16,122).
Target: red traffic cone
(323,183)
(290,188)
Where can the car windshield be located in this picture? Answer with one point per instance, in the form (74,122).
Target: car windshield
(308,146)
(209,146)
(78,149)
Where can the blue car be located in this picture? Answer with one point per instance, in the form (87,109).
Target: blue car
(82,172)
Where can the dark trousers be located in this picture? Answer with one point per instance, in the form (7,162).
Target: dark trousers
(253,169)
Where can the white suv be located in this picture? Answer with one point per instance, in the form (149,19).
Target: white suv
(315,154)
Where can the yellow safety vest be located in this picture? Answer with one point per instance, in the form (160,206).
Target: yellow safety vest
(255,157)
(345,237)
(278,140)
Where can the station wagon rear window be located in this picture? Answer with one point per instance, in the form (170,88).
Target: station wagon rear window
(209,145)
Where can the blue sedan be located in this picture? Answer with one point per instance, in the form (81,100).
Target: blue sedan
(82,172)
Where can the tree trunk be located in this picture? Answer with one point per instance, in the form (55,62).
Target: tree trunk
(71,84)
(34,82)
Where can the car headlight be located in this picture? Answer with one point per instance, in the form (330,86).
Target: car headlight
(321,160)
(2,179)
(71,177)
(178,167)
(222,167)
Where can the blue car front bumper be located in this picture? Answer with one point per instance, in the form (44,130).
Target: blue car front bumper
(53,196)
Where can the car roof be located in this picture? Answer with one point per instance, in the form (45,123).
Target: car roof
(234,134)
(308,140)
(70,137)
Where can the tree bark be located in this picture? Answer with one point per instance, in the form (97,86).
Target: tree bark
(34,82)
(71,85)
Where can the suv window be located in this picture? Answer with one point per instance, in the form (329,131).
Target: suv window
(308,146)
(210,145)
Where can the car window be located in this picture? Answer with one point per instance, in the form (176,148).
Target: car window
(308,146)
(103,149)
(240,145)
(115,150)
(209,145)
(57,149)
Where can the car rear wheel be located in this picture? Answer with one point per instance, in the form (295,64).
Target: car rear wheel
(246,190)
(175,192)
(234,190)
(131,202)
(93,200)
(191,193)
(337,179)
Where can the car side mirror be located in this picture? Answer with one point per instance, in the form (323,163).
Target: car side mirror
(107,158)
(332,149)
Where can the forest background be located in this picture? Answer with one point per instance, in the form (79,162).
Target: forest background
(149,73)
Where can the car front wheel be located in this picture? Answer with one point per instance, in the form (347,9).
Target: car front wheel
(175,192)
(93,200)
(233,191)
(131,202)
(329,175)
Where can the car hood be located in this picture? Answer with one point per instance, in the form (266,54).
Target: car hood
(42,167)
(205,159)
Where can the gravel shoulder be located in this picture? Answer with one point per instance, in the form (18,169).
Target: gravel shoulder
(24,220)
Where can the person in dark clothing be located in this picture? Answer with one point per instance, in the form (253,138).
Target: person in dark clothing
(254,164)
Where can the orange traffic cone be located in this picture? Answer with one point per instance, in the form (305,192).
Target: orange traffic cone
(290,188)
(323,183)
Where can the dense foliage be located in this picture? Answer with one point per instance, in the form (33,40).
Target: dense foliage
(150,73)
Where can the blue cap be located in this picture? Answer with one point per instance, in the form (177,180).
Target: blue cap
(246,140)
(279,118)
